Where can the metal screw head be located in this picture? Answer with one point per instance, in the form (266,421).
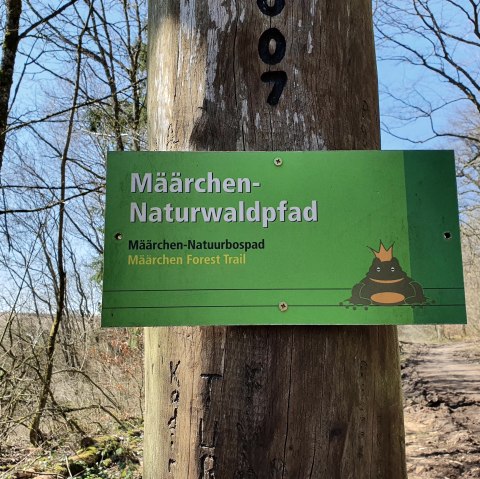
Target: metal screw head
(278,161)
(282,306)
(118,236)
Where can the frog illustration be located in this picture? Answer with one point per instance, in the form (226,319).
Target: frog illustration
(386,283)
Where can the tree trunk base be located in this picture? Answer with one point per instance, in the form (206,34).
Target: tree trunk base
(281,402)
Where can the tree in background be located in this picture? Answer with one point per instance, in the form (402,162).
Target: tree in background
(11,38)
(436,46)
(77,89)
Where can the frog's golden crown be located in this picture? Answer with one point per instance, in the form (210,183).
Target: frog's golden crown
(383,254)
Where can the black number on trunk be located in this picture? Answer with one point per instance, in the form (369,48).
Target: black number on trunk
(279,79)
(271,10)
(264,46)
(272,48)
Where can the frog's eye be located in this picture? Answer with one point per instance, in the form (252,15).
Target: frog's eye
(392,269)
(378,269)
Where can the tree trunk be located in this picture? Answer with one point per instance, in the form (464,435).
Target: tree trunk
(268,402)
(7,66)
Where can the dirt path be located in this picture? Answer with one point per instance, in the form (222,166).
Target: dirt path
(442,414)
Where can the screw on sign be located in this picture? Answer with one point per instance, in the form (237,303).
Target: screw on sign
(278,78)
(283,306)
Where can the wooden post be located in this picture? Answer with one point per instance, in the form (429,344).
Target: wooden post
(268,402)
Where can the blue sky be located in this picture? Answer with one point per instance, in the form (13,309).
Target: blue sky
(398,78)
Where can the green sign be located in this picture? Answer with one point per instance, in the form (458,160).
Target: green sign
(232,238)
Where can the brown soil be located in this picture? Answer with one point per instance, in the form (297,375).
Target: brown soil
(442,410)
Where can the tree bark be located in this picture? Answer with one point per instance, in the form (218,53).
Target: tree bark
(268,402)
(7,66)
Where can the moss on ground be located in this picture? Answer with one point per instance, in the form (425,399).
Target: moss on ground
(100,457)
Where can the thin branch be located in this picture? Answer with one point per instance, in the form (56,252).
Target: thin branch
(46,19)
(50,205)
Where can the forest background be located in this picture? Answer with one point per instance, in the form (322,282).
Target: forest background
(72,87)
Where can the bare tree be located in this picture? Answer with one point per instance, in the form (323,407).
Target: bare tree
(438,39)
(12,37)
(80,90)
(436,42)
(9,53)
